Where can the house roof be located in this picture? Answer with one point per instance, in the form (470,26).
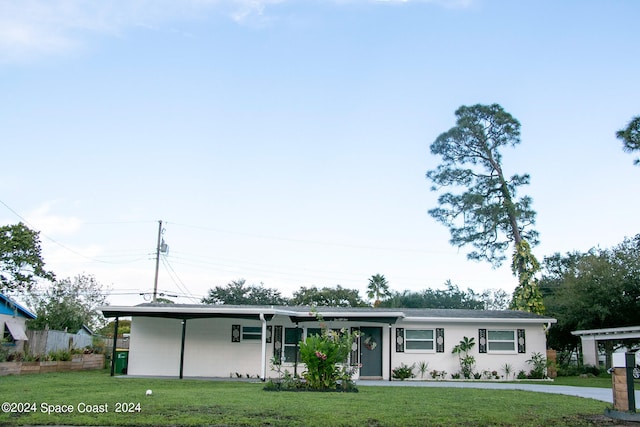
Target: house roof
(306,313)
(10,307)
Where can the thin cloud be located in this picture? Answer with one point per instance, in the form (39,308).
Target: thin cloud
(50,224)
(30,29)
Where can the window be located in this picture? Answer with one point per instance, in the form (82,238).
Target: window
(7,338)
(251,333)
(501,341)
(419,339)
(292,336)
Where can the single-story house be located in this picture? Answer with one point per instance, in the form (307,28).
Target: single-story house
(187,340)
(13,318)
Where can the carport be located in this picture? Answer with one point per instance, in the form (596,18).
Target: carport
(590,338)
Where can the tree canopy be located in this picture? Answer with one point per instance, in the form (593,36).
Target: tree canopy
(452,297)
(486,214)
(21,260)
(630,137)
(237,292)
(68,304)
(592,290)
(328,297)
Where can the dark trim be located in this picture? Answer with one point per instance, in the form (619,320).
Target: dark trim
(355,353)
(399,340)
(482,340)
(184,333)
(439,340)
(390,351)
(236,333)
(346,318)
(277,345)
(521,341)
(113,350)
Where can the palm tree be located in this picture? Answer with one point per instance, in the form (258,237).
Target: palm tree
(378,287)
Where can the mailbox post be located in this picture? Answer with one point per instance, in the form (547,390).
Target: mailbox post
(624,398)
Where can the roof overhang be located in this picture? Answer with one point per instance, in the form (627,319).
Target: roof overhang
(178,312)
(345,316)
(609,333)
(501,320)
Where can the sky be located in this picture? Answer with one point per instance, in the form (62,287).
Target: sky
(286,141)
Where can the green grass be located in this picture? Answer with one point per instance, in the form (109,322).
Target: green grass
(602,381)
(199,402)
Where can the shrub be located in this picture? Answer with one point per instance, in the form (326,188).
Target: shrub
(590,369)
(539,364)
(522,375)
(326,356)
(403,372)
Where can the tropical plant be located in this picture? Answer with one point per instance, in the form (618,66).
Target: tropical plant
(467,362)
(507,369)
(539,363)
(403,372)
(378,288)
(423,366)
(325,356)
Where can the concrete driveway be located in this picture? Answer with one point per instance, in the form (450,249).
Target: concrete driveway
(603,394)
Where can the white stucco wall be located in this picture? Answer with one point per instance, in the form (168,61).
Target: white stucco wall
(490,361)
(209,351)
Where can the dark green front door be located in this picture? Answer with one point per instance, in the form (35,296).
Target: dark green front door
(371,352)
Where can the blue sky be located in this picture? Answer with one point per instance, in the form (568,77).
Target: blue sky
(286,142)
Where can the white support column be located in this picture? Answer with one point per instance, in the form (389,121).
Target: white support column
(263,360)
(589,350)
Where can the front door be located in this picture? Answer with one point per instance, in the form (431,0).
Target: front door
(371,352)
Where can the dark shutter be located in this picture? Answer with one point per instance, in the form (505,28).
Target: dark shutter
(269,333)
(235,333)
(439,340)
(277,344)
(355,348)
(399,340)
(482,340)
(522,344)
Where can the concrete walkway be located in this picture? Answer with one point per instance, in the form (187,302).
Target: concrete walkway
(603,394)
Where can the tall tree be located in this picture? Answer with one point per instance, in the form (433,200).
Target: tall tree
(378,288)
(328,297)
(68,304)
(487,215)
(21,260)
(237,292)
(630,137)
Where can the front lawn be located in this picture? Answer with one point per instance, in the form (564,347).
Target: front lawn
(201,402)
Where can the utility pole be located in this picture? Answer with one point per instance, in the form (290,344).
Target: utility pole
(155,282)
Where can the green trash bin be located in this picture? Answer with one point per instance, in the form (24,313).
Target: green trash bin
(122,360)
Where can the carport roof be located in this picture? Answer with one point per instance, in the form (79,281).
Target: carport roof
(307,314)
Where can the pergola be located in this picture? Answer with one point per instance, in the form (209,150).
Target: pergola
(590,338)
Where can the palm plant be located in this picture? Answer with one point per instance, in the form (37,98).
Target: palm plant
(378,288)
(467,362)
